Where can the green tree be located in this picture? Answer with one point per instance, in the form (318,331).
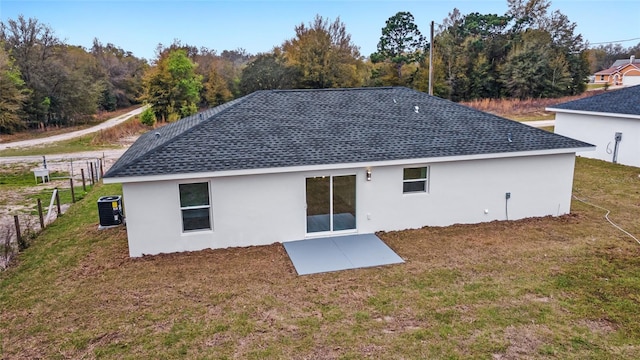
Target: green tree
(65,81)
(471,48)
(13,94)
(172,86)
(148,117)
(401,42)
(216,88)
(324,55)
(121,73)
(32,45)
(535,68)
(268,71)
(527,13)
(73,85)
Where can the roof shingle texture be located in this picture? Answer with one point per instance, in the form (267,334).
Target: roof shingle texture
(622,101)
(284,128)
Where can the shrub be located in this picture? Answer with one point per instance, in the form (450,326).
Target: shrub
(148,117)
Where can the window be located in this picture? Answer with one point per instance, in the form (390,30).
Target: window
(415,180)
(601,77)
(194,205)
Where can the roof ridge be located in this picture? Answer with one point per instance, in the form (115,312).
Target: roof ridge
(145,148)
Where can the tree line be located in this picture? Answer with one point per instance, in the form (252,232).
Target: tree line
(527,52)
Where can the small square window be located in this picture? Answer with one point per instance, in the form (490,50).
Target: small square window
(415,180)
(195,206)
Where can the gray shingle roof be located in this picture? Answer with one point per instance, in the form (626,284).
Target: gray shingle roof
(283,128)
(622,62)
(623,101)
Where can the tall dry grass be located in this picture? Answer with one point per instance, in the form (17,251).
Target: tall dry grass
(130,128)
(516,107)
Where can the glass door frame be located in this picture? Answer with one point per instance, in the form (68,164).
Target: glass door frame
(331,206)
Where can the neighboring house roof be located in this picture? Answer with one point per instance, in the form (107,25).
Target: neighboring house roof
(618,65)
(622,62)
(289,128)
(623,101)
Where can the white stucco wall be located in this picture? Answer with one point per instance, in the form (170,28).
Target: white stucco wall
(600,130)
(263,209)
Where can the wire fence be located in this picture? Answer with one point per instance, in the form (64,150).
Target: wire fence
(61,183)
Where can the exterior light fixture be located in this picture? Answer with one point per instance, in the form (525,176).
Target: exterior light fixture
(368,175)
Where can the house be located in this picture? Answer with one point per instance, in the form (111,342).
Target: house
(624,72)
(283,165)
(610,120)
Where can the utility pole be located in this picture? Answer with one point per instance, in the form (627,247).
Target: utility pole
(431,61)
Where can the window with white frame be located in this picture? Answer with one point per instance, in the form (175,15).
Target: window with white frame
(414,180)
(195,206)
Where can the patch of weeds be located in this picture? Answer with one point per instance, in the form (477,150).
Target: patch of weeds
(446,316)
(242,324)
(218,298)
(445,331)
(309,324)
(486,344)
(350,356)
(563,281)
(579,343)
(504,316)
(419,335)
(480,291)
(78,341)
(331,313)
(382,303)
(218,328)
(269,353)
(547,349)
(362,316)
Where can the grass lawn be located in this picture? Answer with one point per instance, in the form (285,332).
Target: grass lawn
(595,86)
(566,287)
(531,117)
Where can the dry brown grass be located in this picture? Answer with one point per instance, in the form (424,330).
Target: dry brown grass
(561,287)
(528,109)
(128,129)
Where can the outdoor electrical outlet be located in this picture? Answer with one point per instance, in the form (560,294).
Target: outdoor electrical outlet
(508,195)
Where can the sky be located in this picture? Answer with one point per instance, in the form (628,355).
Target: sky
(257,26)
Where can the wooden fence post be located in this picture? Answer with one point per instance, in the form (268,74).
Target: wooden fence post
(101,169)
(84,184)
(73,193)
(40,214)
(92,178)
(18,233)
(58,202)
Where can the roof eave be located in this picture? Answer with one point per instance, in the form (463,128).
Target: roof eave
(593,113)
(215,174)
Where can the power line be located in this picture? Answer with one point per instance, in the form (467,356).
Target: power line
(612,42)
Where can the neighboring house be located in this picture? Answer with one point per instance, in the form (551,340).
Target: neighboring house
(610,120)
(284,165)
(623,72)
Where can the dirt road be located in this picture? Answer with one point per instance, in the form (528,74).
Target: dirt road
(105,125)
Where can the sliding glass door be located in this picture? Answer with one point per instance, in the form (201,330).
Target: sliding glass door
(331,203)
